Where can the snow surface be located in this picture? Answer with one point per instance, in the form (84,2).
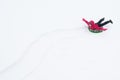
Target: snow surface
(47,40)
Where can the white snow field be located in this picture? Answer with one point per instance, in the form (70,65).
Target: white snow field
(47,40)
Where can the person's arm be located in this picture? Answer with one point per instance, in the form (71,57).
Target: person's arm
(103,29)
(86,21)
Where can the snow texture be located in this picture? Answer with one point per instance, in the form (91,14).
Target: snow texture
(47,40)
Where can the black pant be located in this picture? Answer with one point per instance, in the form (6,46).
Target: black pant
(100,24)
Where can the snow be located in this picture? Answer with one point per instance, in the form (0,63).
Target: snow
(47,40)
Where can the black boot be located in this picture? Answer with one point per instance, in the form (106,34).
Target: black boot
(111,21)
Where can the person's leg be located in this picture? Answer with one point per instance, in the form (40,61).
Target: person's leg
(101,25)
(99,22)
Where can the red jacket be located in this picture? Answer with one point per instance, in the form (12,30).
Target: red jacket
(92,25)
